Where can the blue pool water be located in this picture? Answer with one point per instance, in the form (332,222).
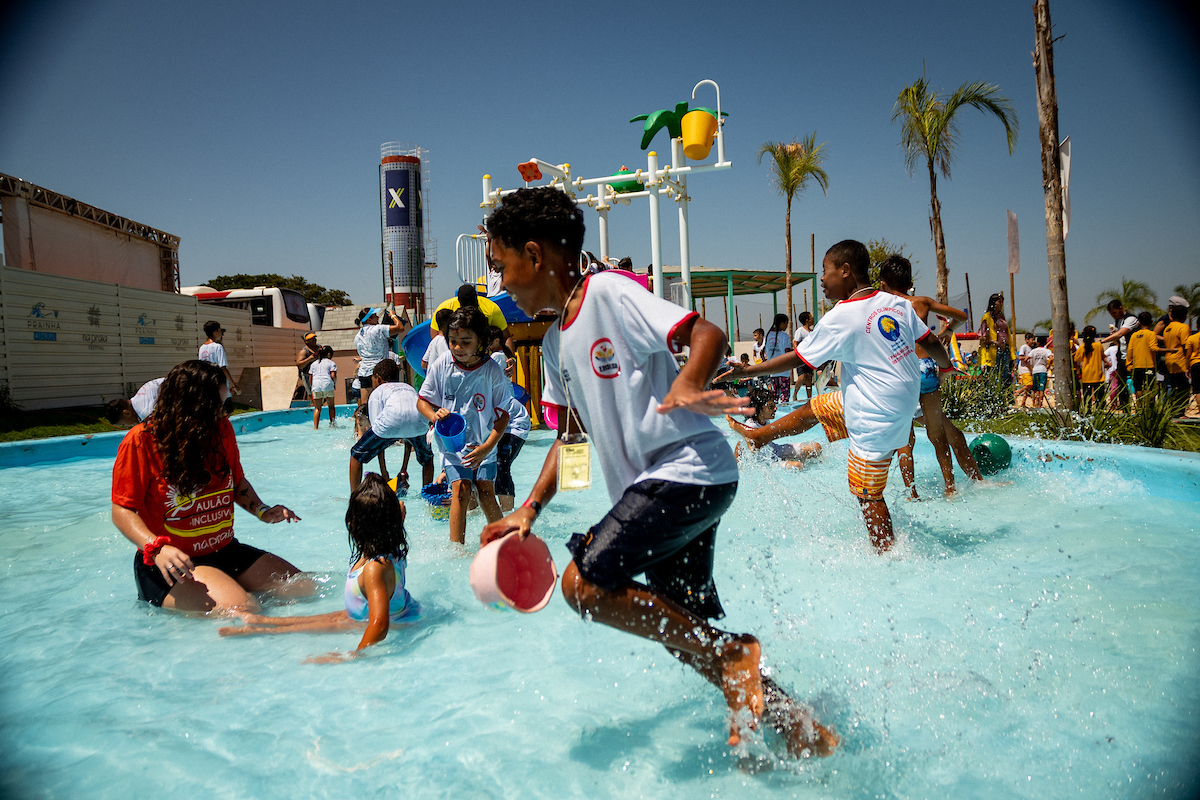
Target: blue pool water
(1036,639)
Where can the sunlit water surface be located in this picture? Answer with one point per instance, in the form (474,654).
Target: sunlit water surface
(1036,639)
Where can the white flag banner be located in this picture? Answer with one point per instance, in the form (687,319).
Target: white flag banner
(1014,245)
(959,302)
(1064,169)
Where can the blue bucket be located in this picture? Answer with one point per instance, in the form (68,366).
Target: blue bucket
(452,430)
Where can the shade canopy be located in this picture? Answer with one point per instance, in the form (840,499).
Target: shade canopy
(718,282)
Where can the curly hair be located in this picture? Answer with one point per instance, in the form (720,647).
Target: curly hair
(186,425)
(544,214)
(375,521)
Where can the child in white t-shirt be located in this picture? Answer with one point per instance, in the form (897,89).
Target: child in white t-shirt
(437,343)
(466,381)
(1024,376)
(391,417)
(873,335)
(1040,359)
(610,370)
(213,352)
(323,374)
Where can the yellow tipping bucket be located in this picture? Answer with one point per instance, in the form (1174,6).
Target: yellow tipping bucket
(699,130)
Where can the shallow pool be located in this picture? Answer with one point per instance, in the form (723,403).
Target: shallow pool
(1036,639)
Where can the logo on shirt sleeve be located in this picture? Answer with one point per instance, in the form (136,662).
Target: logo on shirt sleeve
(604,359)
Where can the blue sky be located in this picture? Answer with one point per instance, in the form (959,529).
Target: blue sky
(253,130)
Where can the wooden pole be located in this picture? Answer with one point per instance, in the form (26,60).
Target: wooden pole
(703,308)
(737,319)
(1012,306)
(1043,67)
(970,308)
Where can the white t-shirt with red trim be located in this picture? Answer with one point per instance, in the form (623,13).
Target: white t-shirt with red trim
(618,363)
(213,353)
(480,393)
(873,337)
(143,402)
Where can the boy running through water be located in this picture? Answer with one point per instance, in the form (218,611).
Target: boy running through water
(610,370)
(873,334)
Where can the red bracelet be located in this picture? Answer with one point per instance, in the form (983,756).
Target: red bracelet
(534,504)
(149,550)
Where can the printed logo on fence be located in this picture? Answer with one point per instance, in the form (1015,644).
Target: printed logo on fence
(604,359)
(45,319)
(144,324)
(93,315)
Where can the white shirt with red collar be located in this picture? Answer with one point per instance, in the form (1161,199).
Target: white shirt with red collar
(617,364)
(873,337)
(479,393)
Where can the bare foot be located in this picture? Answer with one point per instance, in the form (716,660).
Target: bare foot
(741,682)
(951,492)
(913,497)
(805,736)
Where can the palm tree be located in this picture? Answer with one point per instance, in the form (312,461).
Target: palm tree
(1133,295)
(1192,295)
(792,165)
(929,130)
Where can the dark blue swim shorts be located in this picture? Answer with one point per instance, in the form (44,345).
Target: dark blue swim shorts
(665,530)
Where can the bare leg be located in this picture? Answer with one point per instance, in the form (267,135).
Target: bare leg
(935,428)
(962,451)
(383,467)
(270,572)
(333,622)
(790,719)
(907,471)
(355,474)
(316,414)
(796,422)
(879,524)
(487,500)
(209,589)
(734,657)
(332,421)
(460,496)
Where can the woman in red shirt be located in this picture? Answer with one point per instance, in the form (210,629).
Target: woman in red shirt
(175,481)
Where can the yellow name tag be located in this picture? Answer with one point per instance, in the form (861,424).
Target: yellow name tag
(574,466)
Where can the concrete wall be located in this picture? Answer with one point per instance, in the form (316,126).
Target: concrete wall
(71,342)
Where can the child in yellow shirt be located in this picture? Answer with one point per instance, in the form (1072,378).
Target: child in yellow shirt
(1193,358)
(1089,357)
(1175,336)
(1139,356)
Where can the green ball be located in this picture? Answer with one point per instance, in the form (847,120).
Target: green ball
(991,452)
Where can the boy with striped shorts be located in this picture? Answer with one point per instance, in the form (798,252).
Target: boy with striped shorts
(872,333)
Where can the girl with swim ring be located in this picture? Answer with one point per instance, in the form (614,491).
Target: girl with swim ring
(375,587)
(470,384)
(792,456)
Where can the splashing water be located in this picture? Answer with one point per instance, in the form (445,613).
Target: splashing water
(1030,639)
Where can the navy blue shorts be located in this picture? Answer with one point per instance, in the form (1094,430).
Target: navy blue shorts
(421,450)
(665,530)
(233,559)
(370,446)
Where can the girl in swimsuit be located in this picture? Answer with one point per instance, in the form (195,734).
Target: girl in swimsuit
(375,593)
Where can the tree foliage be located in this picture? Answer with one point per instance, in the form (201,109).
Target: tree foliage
(1192,295)
(313,293)
(929,131)
(1134,295)
(879,250)
(793,164)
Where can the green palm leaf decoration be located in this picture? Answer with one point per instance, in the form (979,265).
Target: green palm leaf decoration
(663,118)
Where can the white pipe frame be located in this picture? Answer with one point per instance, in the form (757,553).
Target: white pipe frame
(668,180)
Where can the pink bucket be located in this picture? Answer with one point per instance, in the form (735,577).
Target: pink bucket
(511,573)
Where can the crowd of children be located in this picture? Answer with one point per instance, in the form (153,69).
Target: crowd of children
(613,381)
